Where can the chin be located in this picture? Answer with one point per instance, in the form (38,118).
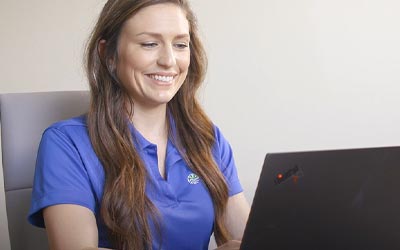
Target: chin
(161,101)
(164,97)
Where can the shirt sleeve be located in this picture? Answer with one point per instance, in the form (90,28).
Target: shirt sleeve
(225,160)
(60,176)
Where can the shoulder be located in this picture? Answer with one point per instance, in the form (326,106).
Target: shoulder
(71,133)
(71,123)
(222,149)
(223,155)
(72,127)
(220,140)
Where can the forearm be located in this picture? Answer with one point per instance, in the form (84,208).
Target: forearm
(236,215)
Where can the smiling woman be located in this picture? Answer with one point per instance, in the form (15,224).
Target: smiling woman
(154,54)
(145,168)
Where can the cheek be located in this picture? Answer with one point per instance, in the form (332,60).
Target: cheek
(135,60)
(131,68)
(184,62)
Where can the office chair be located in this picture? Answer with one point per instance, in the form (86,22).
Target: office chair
(23,118)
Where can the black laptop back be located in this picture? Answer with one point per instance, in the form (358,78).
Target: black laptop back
(322,200)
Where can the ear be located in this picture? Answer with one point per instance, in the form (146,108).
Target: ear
(101,47)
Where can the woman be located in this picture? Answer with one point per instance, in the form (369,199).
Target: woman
(145,168)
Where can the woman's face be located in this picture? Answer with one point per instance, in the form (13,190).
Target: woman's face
(154,54)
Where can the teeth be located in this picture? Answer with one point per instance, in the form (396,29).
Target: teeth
(162,78)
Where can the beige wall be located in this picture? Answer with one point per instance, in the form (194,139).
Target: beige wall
(299,75)
(284,74)
(42,43)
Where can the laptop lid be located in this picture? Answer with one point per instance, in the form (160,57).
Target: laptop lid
(339,199)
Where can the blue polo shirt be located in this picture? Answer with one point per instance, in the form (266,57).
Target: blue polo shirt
(69,172)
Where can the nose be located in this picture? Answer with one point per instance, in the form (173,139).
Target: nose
(166,57)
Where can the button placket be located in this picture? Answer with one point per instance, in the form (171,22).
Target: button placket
(163,187)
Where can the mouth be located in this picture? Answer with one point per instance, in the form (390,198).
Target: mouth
(164,79)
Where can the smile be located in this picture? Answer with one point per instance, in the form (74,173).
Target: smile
(162,78)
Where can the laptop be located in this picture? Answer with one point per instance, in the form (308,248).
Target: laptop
(327,200)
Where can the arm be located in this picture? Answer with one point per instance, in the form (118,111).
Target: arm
(237,213)
(71,227)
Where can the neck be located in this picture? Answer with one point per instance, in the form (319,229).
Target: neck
(151,122)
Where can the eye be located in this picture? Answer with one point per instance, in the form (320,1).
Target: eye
(149,45)
(181,45)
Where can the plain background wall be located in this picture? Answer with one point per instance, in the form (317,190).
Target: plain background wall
(283,74)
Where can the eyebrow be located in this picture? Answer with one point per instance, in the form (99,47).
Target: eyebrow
(159,35)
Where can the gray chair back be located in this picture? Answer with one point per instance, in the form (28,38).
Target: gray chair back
(23,118)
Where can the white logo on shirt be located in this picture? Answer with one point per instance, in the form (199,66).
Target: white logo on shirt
(193,179)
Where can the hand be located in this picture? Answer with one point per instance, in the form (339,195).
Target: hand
(230,245)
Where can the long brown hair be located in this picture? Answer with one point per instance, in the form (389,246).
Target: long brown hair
(124,195)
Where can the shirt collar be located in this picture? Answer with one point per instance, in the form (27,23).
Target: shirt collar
(138,139)
(142,143)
